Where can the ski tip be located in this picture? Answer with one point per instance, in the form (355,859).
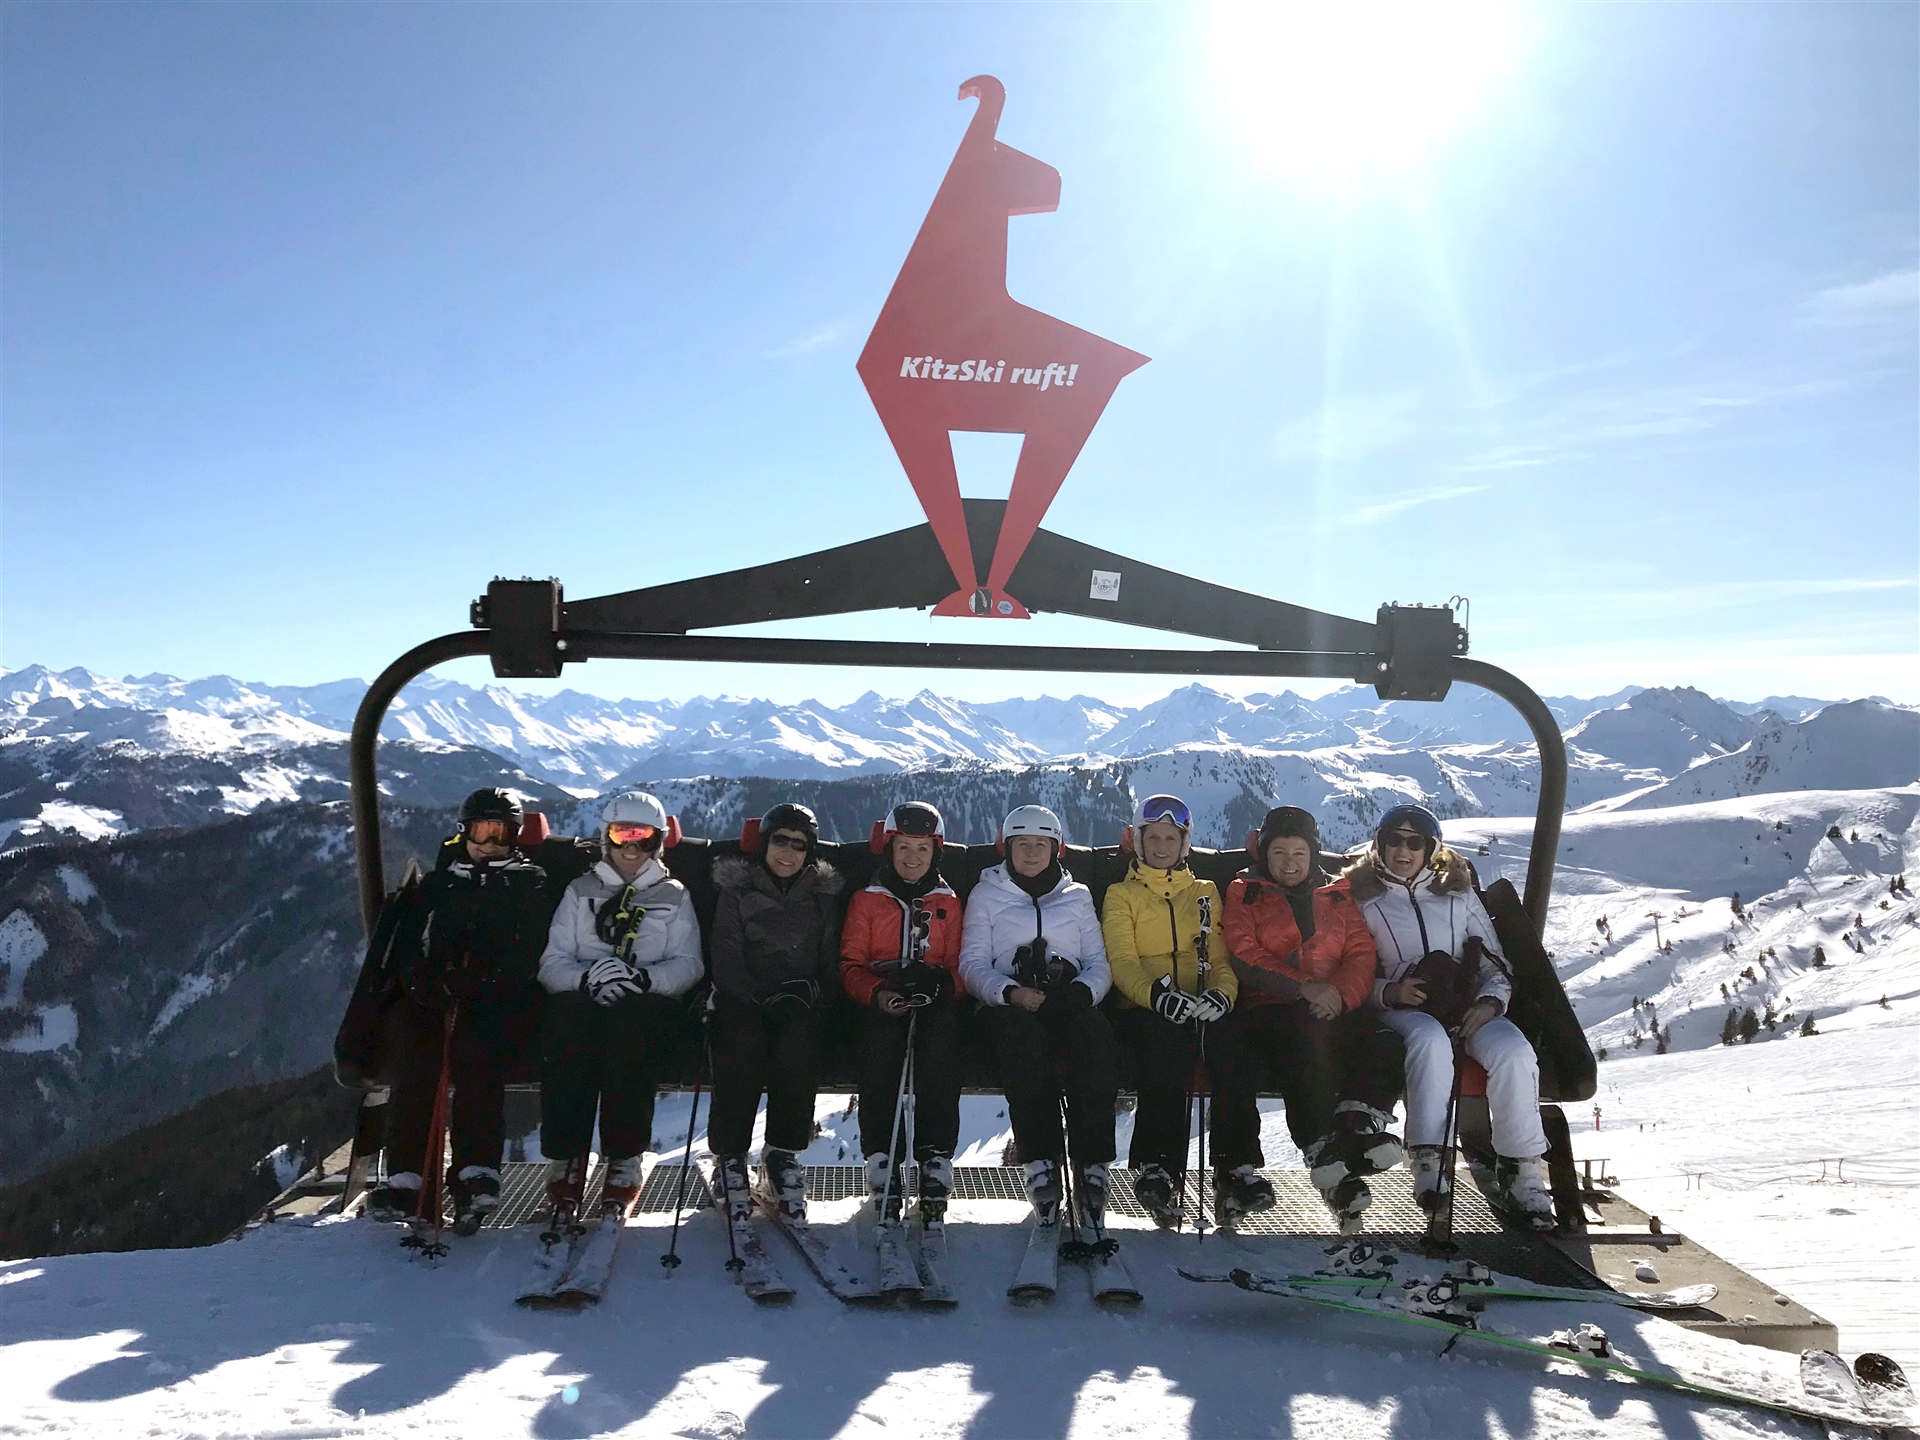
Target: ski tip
(1203,1277)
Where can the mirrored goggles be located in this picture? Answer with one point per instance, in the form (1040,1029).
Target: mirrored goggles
(621,834)
(1166,807)
(489,832)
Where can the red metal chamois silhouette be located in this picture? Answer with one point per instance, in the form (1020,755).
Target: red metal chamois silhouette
(953,351)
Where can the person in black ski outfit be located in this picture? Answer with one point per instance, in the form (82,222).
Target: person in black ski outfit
(466,950)
(775,952)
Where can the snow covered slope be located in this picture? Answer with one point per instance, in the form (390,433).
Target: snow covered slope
(324,1329)
(1855,746)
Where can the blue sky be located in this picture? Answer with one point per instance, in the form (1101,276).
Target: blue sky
(317,317)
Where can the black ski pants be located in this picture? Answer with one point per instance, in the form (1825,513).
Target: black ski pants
(1029,1044)
(1164,1059)
(774,1051)
(605,1058)
(936,1078)
(476,1058)
(1313,1062)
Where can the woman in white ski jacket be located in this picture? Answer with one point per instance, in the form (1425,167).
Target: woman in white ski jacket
(1032,954)
(623,947)
(1417,899)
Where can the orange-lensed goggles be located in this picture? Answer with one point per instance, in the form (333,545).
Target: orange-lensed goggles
(490,832)
(632,834)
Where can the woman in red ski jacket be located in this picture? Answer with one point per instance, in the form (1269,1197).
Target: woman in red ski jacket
(900,960)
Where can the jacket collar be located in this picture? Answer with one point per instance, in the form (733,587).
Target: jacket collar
(651,874)
(1164,883)
(1001,877)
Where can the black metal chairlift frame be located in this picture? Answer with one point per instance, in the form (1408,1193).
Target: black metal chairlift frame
(528,629)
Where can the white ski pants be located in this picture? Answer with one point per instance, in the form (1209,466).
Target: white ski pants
(1513,1081)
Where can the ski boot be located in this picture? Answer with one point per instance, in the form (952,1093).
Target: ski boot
(936,1186)
(622,1189)
(1043,1189)
(1091,1197)
(394,1199)
(784,1179)
(886,1204)
(1153,1187)
(1363,1136)
(566,1189)
(730,1182)
(1240,1191)
(1348,1201)
(1430,1187)
(476,1195)
(1523,1188)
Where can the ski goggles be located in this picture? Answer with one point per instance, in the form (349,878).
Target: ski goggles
(1403,840)
(489,832)
(785,841)
(1166,807)
(623,834)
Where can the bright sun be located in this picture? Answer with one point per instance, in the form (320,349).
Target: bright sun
(1329,90)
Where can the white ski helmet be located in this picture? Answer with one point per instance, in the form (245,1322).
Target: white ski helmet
(1033,820)
(634,807)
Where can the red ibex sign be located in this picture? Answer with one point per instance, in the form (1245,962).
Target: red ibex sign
(953,351)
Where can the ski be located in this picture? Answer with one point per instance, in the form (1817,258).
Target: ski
(551,1267)
(841,1282)
(929,1246)
(899,1276)
(1811,1408)
(1038,1275)
(1882,1380)
(759,1276)
(1108,1274)
(1687,1297)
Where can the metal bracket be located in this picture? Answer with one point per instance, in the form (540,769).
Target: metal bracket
(522,621)
(1418,646)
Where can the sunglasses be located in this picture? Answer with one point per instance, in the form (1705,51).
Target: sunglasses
(787,842)
(489,832)
(1403,841)
(631,834)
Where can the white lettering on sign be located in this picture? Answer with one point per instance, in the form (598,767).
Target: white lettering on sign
(994,372)
(1106,586)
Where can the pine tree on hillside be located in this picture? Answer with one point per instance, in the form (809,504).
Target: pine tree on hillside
(1665,1040)
(1770,1019)
(1819,957)
(1749,1026)
(1730,1031)
(1806,1026)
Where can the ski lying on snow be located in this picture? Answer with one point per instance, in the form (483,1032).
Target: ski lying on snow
(815,1249)
(1810,1408)
(759,1276)
(1038,1276)
(585,1280)
(1686,1297)
(551,1267)
(929,1246)
(899,1276)
(1108,1274)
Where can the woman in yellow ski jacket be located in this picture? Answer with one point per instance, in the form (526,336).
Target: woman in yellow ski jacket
(1161,925)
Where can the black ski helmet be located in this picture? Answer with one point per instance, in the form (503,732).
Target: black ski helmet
(916,818)
(790,816)
(492,804)
(1285,821)
(1417,818)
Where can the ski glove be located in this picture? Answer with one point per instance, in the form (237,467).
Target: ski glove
(612,979)
(1172,1004)
(801,994)
(921,983)
(1211,1006)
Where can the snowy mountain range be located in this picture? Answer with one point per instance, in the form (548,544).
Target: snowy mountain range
(84,755)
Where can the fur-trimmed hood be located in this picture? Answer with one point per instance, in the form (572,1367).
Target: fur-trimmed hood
(1448,873)
(742,872)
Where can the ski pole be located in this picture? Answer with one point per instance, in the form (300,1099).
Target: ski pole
(434,1164)
(1202,963)
(1440,1230)
(672,1258)
(894,1188)
(734,1263)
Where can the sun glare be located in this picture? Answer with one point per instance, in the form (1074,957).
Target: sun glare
(1332,90)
